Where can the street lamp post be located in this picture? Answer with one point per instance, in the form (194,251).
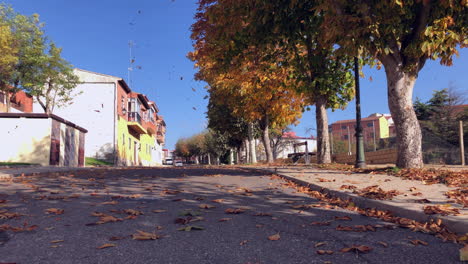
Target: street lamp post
(360,159)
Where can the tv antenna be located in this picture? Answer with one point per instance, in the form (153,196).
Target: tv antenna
(131,61)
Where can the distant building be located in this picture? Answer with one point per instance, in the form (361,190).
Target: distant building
(124,127)
(20,102)
(375,127)
(286,144)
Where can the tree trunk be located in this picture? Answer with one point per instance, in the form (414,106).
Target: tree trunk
(400,101)
(209,159)
(253,154)
(238,155)
(231,157)
(323,143)
(247,151)
(8,98)
(266,141)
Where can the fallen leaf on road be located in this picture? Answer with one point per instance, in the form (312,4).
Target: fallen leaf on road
(419,242)
(234,211)
(110,202)
(319,244)
(132,212)
(56,241)
(224,219)
(259,226)
(243,242)
(206,206)
(274,237)
(218,201)
(107,245)
(190,228)
(357,248)
(159,211)
(442,210)
(141,235)
(323,180)
(323,252)
(115,238)
(383,243)
(55,211)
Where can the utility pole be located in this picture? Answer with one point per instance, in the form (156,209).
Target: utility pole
(360,159)
(130,66)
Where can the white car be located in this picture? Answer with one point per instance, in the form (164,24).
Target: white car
(178,163)
(169,162)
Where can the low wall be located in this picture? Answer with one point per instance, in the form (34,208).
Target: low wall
(41,139)
(383,156)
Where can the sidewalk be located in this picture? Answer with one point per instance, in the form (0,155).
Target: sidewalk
(403,205)
(9,173)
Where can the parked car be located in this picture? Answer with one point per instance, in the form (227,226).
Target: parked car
(169,162)
(178,163)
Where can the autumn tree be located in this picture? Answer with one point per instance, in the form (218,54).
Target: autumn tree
(8,59)
(287,35)
(402,36)
(255,88)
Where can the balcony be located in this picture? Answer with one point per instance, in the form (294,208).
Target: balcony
(134,123)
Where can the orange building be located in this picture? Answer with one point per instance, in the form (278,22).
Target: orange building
(19,102)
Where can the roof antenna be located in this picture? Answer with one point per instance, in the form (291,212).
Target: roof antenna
(130,66)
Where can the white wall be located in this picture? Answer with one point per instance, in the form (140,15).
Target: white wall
(93,110)
(289,148)
(25,140)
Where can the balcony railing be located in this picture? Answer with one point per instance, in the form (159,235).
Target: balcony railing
(134,117)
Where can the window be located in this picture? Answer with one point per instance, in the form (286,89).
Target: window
(371,135)
(129,143)
(123,139)
(343,127)
(345,137)
(370,124)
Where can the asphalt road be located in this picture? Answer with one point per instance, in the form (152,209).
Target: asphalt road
(176,195)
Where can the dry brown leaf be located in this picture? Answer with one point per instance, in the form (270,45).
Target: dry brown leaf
(319,244)
(274,237)
(159,211)
(418,242)
(383,243)
(55,211)
(323,252)
(234,211)
(56,241)
(115,238)
(262,214)
(224,219)
(357,248)
(132,212)
(141,235)
(218,201)
(326,223)
(243,242)
(259,225)
(110,202)
(107,245)
(206,206)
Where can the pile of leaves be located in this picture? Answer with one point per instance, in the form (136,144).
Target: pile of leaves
(459,196)
(375,192)
(435,227)
(440,209)
(431,176)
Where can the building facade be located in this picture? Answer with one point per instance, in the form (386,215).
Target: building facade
(374,127)
(20,102)
(287,141)
(124,127)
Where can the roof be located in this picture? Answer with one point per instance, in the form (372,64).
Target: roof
(362,119)
(101,74)
(457,109)
(42,116)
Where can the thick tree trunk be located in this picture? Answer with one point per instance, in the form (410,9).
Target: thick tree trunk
(209,159)
(400,101)
(247,152)
(238,155)
(253,153)
(231,157)
(266,141)
(323,142)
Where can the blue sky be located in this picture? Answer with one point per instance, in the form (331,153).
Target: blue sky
(95,34)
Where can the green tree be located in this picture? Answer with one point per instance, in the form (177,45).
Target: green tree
(54,81)
(402,36)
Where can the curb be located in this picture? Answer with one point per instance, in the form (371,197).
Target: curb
(450,222)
